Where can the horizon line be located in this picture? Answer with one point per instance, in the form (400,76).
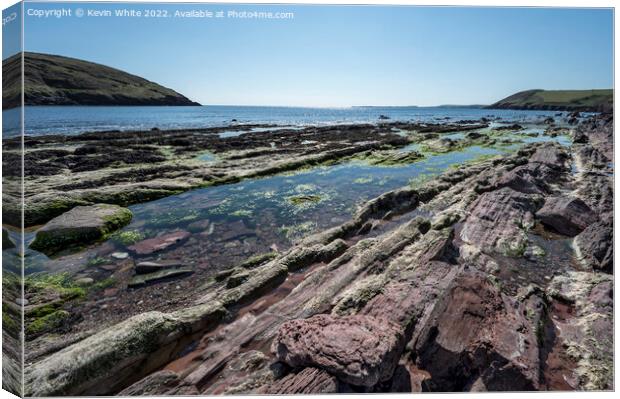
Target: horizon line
(346,106)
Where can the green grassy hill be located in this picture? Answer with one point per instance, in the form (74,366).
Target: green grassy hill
(57,80)
(563,100)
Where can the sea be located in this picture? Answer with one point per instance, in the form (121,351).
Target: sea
(70,120)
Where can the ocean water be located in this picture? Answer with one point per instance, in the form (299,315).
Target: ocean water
(40,120)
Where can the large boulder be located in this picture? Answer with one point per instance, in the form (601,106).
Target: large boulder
(360,350)
(566,215)
(79,226)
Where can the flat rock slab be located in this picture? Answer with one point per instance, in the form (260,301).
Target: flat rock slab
(143,279)
(157,244)
(79,226)
(360,350)
(498,222)
(231,231)
(566,215)
(157,383)
(549,155)
(533,178)
(151,267)
(308,381)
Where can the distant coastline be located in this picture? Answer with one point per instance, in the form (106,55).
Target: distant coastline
(58,80)
(70,120)
(558,100)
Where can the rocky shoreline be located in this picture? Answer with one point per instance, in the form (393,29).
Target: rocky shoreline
(125,168)
(517,242)
(495,275)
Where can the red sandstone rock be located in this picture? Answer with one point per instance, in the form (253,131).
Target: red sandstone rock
(498,222)
(566,215)
(549,155)
(478,339)
(157,383)
(308,381)
(360,350)
(152,245)
(595,246)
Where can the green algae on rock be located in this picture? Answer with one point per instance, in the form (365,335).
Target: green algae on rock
(47,294)
(92,364)
(80,226)
(304,199)
(127,237)
(258,260)
(388,157)
(48,322)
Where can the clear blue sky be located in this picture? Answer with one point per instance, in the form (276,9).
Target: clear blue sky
(344,55)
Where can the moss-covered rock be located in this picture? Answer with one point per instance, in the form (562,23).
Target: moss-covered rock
(47,295)
(104,362)
(304,199)
(258,260)
(358,295)
(388,157)
(10,321)
(59,286)
(47,323)
(237,278)
(128,237)
(38,211)
(80,226)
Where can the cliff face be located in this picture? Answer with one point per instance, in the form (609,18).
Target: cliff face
(57,80)
(561,100)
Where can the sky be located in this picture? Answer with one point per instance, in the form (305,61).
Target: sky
(338,56)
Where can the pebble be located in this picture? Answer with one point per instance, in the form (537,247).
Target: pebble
(22,301)
(120,255)
(84,281)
